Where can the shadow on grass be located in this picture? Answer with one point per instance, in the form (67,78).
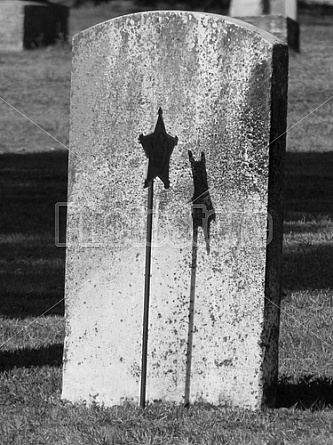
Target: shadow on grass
(308,185)
(29,357)
(310,392)
(32,270)
(308,201)
(24,304)
(310,268)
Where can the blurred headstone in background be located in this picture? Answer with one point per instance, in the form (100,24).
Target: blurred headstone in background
(32,24)
(278,17)
(243,8)
(288,8)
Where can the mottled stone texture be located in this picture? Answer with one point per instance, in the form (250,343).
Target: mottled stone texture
(222,85)
(28,24)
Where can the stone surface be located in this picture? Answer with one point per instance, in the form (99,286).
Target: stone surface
(29,24)
(222,85)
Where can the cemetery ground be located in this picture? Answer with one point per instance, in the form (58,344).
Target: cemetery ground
(34,177)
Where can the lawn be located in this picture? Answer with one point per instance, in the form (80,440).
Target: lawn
(35,90)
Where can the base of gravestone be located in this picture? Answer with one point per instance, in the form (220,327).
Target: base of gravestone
(282,27)
(29,25)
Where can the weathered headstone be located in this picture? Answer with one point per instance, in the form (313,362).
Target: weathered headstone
(222,86)
(31,24)
(278,17)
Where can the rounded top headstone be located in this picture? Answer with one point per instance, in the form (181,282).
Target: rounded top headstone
(222,86)
(173,18)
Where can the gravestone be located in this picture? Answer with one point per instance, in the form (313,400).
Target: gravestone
(244,8)
(279,17)
(288,8)
(31,24)
(248,8)
(219,85)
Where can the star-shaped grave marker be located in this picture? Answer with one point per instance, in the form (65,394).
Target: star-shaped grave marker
(158,147)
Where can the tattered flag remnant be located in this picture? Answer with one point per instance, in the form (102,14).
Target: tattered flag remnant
(203,212)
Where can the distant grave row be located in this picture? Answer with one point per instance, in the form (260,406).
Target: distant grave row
(30,24)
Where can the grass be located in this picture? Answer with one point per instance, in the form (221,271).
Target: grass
(34,177)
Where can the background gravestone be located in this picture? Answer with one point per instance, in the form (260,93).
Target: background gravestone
(222,85)
(288,8)
(31,24)
(248,7)
(279,17)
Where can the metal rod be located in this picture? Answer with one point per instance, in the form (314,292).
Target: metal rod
(146,295)
(191,315)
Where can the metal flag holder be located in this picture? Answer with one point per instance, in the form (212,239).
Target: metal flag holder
(158,147)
